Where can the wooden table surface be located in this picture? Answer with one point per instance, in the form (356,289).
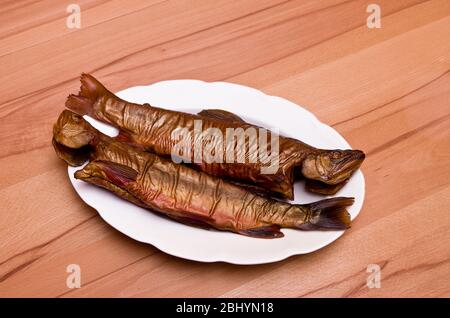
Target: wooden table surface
(386,90)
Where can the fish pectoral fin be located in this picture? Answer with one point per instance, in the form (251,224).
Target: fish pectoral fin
(117,173)
(271,231)
(221,115)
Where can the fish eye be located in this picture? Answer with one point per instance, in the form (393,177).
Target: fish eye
(335,155)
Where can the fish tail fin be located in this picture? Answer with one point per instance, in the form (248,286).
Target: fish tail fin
(90,90)
(329,214)
(73,137)
(79,104)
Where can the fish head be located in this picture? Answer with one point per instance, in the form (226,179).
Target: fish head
(332,166)
(73,131)
(72,138)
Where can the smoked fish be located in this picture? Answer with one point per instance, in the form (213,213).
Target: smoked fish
(181,192)
(151,129)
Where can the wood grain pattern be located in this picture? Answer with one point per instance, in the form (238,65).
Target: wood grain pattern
(386,90)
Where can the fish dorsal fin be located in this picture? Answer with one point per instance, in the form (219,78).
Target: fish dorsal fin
(221,115)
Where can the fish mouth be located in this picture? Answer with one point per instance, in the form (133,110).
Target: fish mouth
(345,166)
(332,166)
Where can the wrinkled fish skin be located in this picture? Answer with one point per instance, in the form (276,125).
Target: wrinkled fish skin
(183,193)
(150,128)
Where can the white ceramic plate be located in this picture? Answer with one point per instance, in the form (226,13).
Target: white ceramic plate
(209,245)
